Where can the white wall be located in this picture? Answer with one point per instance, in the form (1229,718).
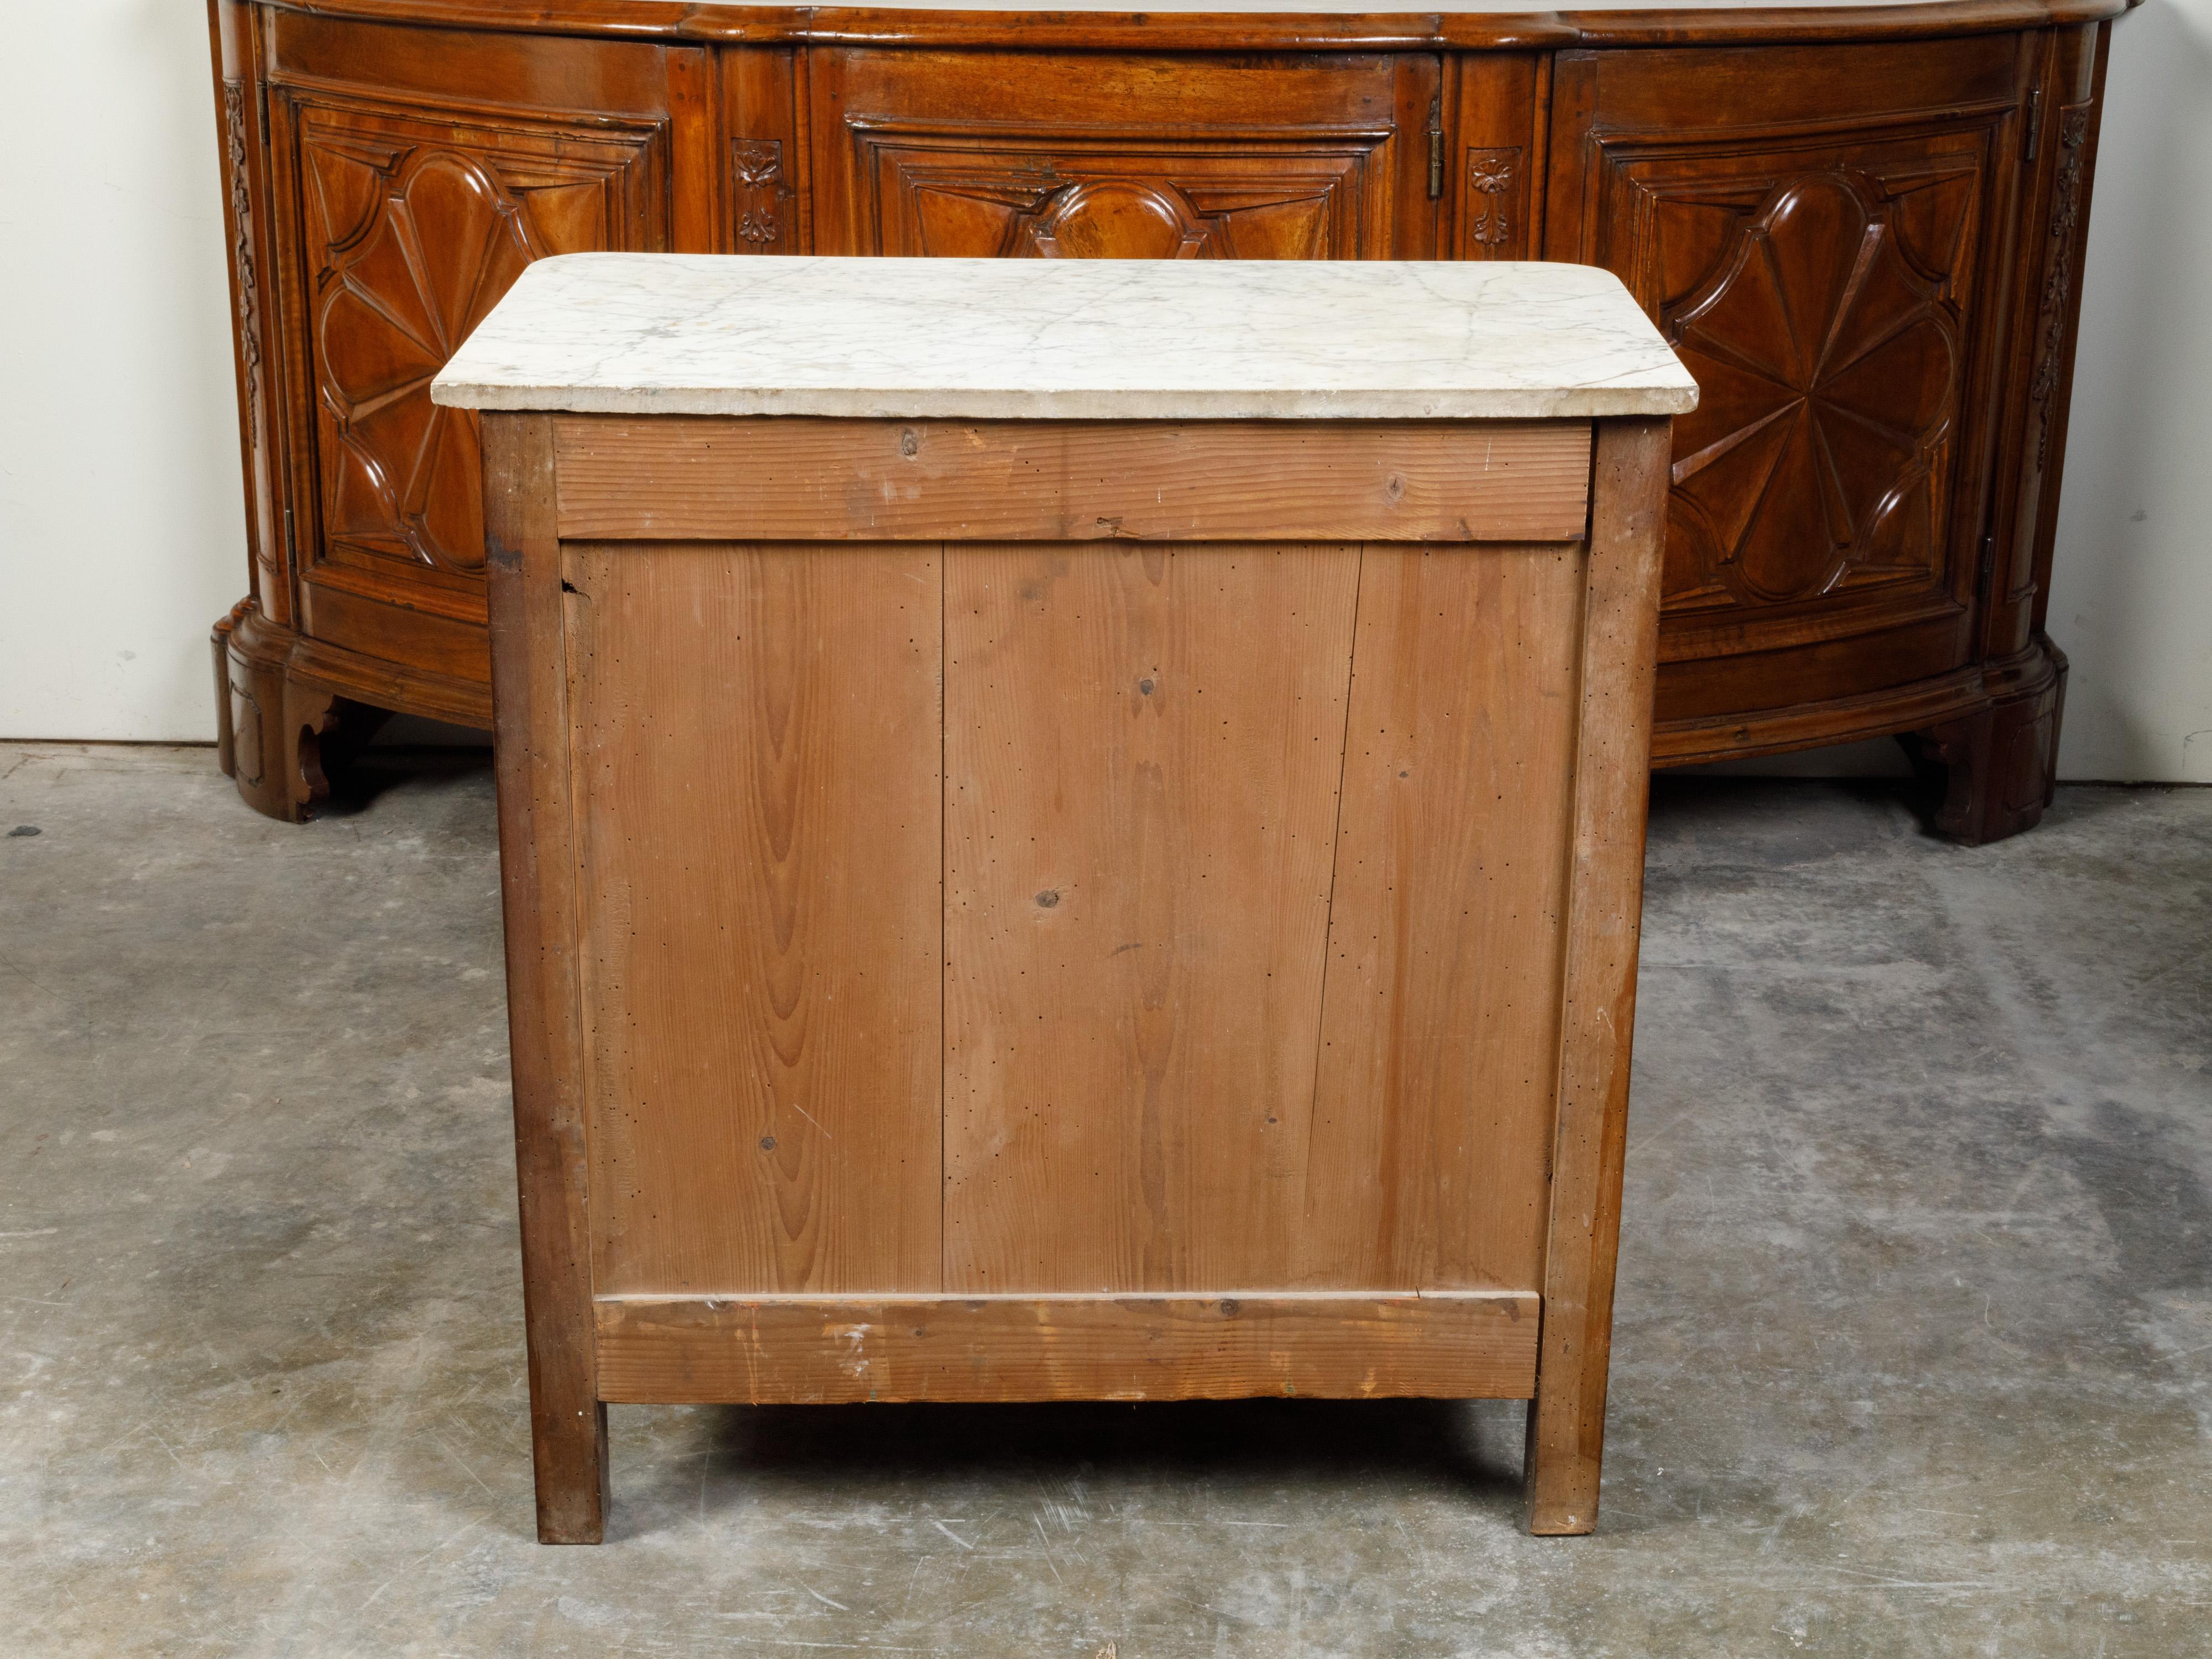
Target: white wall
(2131,594)
(122,532)
(122,523)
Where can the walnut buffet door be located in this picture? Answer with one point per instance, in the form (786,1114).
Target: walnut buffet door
(417,175)
(979,155)
(1821,233)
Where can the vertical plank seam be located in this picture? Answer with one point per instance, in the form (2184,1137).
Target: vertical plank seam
(1335,851)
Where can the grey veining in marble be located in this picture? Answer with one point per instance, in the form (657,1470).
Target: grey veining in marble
(708,334)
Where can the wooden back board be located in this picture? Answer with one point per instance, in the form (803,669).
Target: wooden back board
(1056,909)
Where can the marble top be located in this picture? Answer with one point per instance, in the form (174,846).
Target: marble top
(1059,339)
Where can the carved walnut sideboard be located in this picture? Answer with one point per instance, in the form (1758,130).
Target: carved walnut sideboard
(1861,228)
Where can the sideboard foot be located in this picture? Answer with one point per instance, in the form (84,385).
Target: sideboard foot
(569,1449)
(1997,765)
(226,724)
(278,737)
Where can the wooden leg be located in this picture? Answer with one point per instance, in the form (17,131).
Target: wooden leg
(1999,765)
(326,731)
(1565,1448)
(568,1450)
(538,872)
(226,724)
(279,739)
(1551,1484)
(1566,1419)
(257,747)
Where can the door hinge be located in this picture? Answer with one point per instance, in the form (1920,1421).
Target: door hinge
(291,552)
(2034,121)
(1435,147)
(1988,554)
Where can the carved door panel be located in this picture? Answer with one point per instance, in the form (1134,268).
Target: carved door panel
(411,228)
(969,155)
(1824,306)
(1833,285)
(417,173)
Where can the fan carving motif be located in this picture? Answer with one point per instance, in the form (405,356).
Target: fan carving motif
(443,243)
(1827,349)
(419,238)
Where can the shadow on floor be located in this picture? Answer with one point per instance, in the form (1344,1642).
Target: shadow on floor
(1469,1451)
(369,774)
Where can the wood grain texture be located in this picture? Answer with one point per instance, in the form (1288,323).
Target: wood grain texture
(1433,1113)
(794,478)
(1142,748)
(960,151)
(537,893)
(1319,32)
(756,740)
(1726,132)
(1611,758)
(811,1350)
(1858,308)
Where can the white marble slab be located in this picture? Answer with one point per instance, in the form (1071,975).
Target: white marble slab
(645,333)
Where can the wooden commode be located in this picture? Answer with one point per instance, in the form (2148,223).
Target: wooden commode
(1070,830)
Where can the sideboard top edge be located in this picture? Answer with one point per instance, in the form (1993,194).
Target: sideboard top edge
(1207,25)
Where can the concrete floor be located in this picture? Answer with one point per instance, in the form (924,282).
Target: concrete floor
(1914,1354)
